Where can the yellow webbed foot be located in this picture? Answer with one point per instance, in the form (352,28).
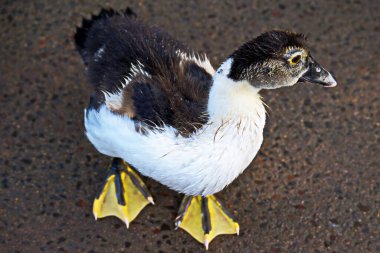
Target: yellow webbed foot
(204,218)
(123,194)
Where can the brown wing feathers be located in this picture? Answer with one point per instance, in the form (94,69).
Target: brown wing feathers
(167,92)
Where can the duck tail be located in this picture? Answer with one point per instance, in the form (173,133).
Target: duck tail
(82,32)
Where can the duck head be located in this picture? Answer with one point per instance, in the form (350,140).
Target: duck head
(276,59)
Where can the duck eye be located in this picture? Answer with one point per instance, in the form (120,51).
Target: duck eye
(296,59)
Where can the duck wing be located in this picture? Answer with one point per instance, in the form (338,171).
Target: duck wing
(141,71)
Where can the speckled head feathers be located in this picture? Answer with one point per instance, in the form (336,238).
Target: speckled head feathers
(277,59)
(271,45)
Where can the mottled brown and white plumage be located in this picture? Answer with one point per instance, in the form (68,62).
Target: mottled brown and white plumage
(162,108)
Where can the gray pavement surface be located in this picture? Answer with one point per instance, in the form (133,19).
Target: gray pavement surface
(314,186)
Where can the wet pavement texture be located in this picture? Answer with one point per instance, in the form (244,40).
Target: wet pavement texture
(313,187)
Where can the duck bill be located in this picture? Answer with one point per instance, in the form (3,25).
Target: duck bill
(317,74)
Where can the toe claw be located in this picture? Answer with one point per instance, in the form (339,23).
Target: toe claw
(206,243)
(126,222)
(150,199)
(177,224)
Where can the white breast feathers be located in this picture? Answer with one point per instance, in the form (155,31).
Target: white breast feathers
(201,164)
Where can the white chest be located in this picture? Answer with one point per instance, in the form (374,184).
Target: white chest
(203,164)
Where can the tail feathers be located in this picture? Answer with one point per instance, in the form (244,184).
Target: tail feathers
(81,34)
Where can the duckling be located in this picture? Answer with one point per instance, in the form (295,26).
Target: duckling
(159,109)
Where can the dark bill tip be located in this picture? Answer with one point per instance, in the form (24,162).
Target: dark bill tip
(326,81)
(317,74)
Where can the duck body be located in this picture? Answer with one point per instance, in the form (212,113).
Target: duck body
(202,163)
(160,108)
(164,112)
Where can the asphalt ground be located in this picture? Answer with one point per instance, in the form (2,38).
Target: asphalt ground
(314,186)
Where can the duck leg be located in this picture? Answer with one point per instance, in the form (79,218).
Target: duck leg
(123,194)
(204,218)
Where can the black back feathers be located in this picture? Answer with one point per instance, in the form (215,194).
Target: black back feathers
(164,85)
(267,45)
(82,32)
